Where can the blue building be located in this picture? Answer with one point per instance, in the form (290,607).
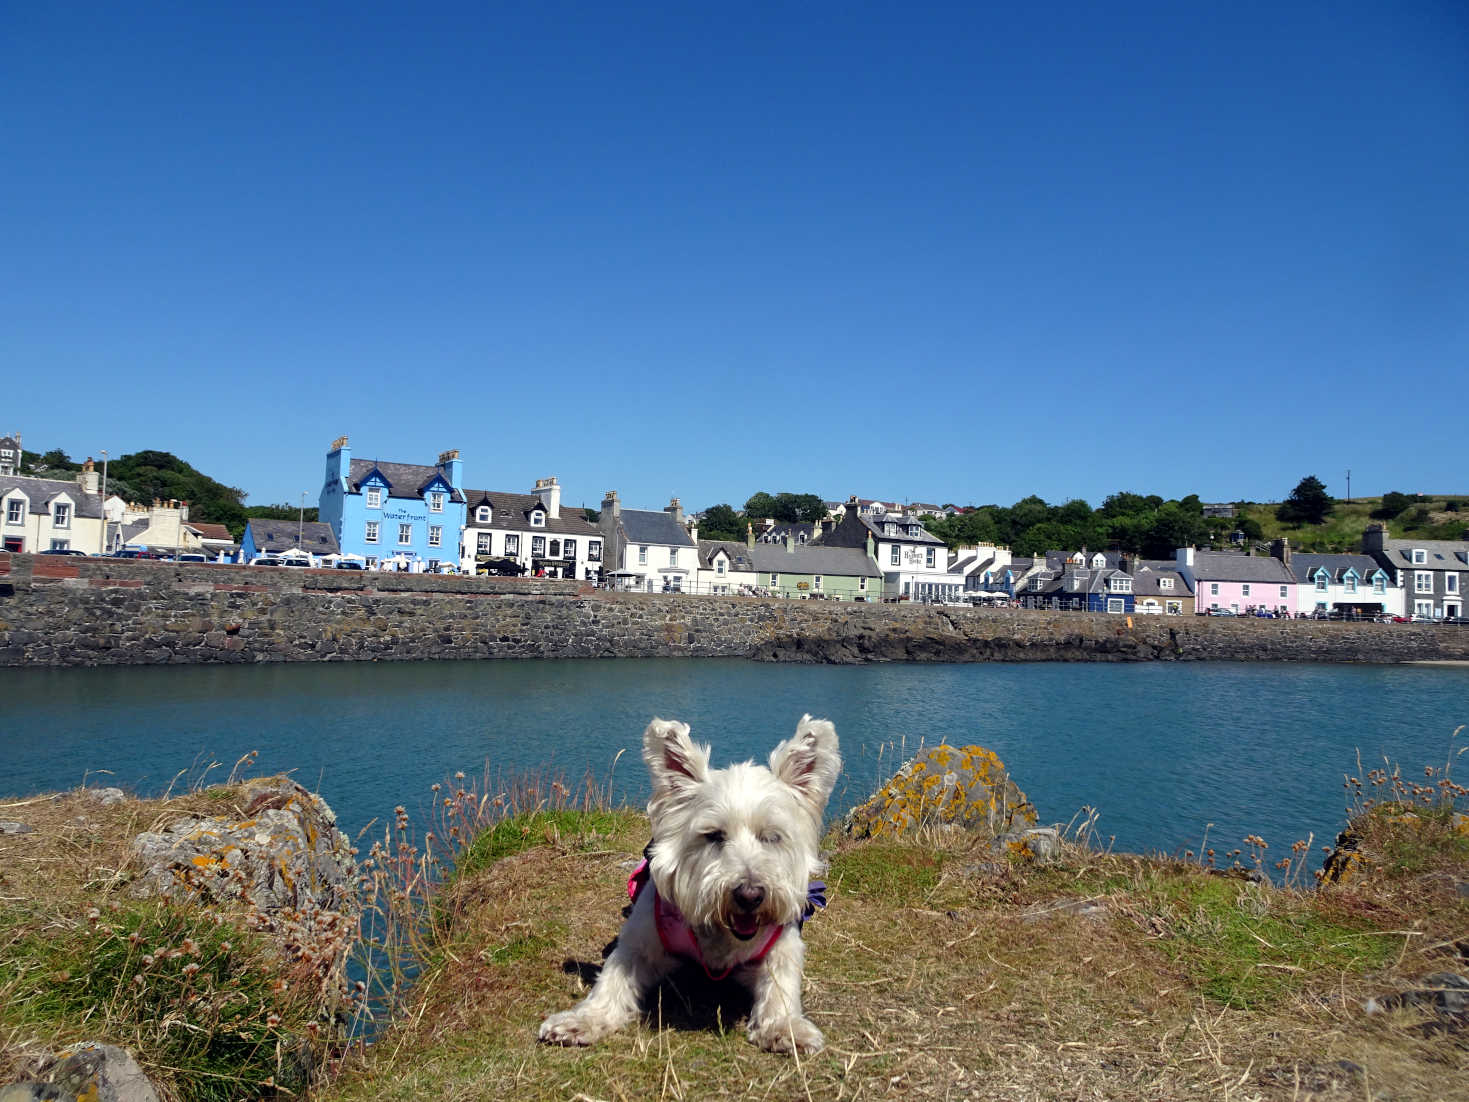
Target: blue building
(395,515)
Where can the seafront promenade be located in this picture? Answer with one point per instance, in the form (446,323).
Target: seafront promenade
(62,611)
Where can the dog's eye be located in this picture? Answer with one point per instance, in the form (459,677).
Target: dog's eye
(770,837)
(714,837)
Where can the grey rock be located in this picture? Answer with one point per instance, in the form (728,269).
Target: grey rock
(106,796)
(11,827)
(1041,845)
(90,1071)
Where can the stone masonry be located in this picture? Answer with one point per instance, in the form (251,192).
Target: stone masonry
(65,611)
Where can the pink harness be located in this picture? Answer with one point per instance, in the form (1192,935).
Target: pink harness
(676,934)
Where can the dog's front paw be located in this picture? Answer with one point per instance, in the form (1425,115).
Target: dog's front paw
(574,1027)
(788,1035)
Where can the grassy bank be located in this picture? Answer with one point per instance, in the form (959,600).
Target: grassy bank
(935,972)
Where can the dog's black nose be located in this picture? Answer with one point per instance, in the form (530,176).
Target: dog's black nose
(748,898)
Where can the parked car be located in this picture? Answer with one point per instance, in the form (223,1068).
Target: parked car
(349,564)
(266,560)
(135,553)
(62,551)
(191,556)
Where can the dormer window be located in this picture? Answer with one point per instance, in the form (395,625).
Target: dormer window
(1321,579)
(719,564)
(15,511)
(374,497)
(537,519)
(436,501)
(61,515)
(1420,557)
(482,515)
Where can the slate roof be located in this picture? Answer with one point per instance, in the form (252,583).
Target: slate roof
(212,531)
(1223,566)
(1147,580)
(512,512)
(42,491)
(1304,566)
(814,558)
(919,535)
(317,537)
(800,531)
(1442,554)
(405,480)
(739,554)
(648,526)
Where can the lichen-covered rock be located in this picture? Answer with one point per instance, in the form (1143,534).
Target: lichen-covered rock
(1033,845)
(10,826)
(966,788)
(87,1072)
(285,863)
(1356,847)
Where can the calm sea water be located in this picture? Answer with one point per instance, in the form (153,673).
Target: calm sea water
(1160,749)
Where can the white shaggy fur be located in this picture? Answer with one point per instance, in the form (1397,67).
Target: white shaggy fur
(734,850)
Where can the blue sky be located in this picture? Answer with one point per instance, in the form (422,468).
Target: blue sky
(924,252)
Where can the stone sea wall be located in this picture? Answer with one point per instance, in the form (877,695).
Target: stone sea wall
(65,611)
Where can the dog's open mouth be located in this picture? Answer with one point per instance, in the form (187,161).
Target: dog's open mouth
(744,926)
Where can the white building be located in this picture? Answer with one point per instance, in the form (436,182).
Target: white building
(648,551)
(529,531)
(46,514)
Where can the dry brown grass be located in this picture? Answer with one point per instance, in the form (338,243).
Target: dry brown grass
(936,974)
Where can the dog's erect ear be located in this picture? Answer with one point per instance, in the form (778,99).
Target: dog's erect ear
(674,762)
(809,762)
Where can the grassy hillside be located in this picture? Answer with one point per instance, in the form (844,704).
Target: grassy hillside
(1429,517)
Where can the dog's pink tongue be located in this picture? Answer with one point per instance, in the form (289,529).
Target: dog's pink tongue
(746,926)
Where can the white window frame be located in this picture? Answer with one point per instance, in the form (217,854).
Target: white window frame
(482,515)
(370,532)
(1379,584)
(862,585)
(1420,557)
(928,558)
(60,545)
(719,565)
(405,534)
(1165,583)
(373,497)
(816,583)
(1120,585)
(15,510)
(484,543)
(537,519)
(436,501)
(893,559)
(435,535)
(1213,591)
(774,579)
(568,549)
(594,550)
(1422,581)
(538,547)
(512,545)
(1451,583)
(61,515)
(1116,605)
(673,556)
(1244,589)
(642,554)
(1349,583)
(1284,590)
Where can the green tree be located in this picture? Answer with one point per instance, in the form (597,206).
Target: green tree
(721,522)
(1308,503)
(760,506)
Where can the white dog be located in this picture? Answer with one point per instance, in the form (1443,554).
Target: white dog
(730,863)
